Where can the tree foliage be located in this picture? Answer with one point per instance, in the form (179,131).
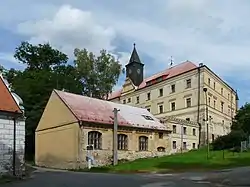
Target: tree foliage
(98,74)
(240,130)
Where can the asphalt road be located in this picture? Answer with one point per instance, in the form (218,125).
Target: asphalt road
(238,177)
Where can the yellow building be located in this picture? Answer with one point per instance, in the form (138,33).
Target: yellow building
(72,122)
(177,95)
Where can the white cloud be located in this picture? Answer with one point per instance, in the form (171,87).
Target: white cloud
(214,32)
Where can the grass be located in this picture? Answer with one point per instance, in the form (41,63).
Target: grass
(191,161)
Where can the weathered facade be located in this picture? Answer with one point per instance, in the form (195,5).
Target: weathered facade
(72,122)
(11,119)
(179,92)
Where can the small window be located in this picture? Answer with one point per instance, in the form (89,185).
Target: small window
(187,119)
(124,101)
(194,132)
(174,128)
(137,99)
(229,111)
(160,135)
(161,149)
(95,139)
(221,91)
(184,145)
(172,88)
(222,106)
(212,137)
(194,146)
(148,117)
(122,142)
(209,81)
(161,92)
(129,100)
(214,104)
(148,109)
(174,145)
(209,101)
(188,82)
(173,106)
(228,96)
(148,96)
(188,102)
(160,109)
(214,85)
(184,130)
(143,143)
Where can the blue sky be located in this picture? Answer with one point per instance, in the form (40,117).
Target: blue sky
(213,32)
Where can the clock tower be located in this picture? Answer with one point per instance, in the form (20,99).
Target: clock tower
(134,68)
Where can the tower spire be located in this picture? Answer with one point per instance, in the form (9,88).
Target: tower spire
(134,56)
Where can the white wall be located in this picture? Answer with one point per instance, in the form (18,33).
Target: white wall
(6,140)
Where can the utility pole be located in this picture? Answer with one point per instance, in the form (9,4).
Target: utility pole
(206,122)
(115,156)
(182,138)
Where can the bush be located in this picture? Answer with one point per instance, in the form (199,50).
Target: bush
(232,140)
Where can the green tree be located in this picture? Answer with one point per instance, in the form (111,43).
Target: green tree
(98,74)
(242,119)
(46,70)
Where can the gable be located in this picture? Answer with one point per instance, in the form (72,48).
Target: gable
(55,114)
(128,87)
(7,102)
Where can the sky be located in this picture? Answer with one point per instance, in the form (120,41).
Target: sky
(215,33)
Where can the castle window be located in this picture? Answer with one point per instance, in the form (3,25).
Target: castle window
(143,143)
(160,135)
(173,106)
(184,130)
(209,81)
(161,92)
(160,109)
(95,139)
(172,88)
(124,101)
(129,100)
(148,96)
(174,128)
(161,149)
(122,142)
(188,102)
(194,132)
(174,145)
(137,99)
(188,82)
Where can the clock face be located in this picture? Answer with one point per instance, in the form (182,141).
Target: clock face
(129,71)
(138,71)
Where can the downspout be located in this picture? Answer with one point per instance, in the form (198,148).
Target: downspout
(79,144)
(198,106)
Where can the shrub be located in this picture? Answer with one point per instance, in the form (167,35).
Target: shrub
(232,140)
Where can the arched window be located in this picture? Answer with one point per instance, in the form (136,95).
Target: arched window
(161,149)
(122,142)
(95,138)
(143,143)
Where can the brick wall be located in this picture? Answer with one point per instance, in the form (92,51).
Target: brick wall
(6,141)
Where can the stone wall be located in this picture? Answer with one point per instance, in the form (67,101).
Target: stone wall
(6,142)
(104,156)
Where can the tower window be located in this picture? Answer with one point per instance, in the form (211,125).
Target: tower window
(188,102)
(173,106)
(209,81)
(137,99)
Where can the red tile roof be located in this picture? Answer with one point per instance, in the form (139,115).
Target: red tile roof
(166,74)
(7,102)
(100,111)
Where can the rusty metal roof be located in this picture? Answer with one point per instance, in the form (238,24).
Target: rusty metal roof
(100,111)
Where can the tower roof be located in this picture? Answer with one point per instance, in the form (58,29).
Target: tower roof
(134,56)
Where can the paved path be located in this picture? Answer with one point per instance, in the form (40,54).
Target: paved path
(238,177)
